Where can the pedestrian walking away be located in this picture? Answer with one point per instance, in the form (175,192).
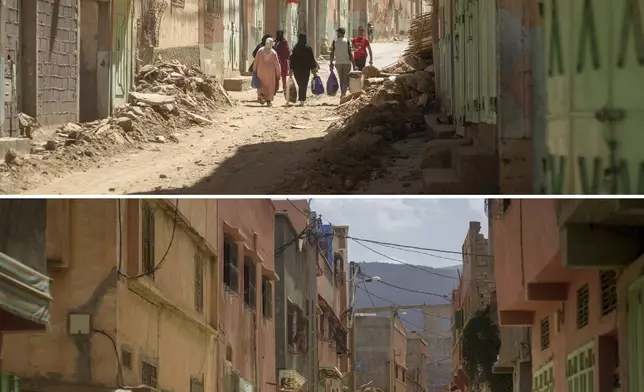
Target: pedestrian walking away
(342,55)
(370,29)
(267,66)
(252,64)
(283,54)
(302,64)
(361,48)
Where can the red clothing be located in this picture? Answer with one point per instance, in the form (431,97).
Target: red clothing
(283,53)
(360,45)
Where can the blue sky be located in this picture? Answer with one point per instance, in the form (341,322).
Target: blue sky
(430,223)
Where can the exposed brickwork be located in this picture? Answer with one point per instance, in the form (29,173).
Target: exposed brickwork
(11,47)
(58,61)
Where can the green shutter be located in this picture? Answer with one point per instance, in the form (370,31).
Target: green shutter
(544,379)
(636,336)
(580,369)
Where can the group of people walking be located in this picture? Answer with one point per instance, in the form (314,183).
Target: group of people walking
(274,61)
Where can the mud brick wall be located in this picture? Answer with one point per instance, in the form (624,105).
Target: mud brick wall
(12,49)
(58,61)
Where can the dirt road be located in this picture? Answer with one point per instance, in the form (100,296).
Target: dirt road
(250,150)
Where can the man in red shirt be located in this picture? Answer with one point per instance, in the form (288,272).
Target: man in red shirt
(360,47)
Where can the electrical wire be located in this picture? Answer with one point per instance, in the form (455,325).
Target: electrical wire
(413,310)
(165,255)
(119,372)
(442,296)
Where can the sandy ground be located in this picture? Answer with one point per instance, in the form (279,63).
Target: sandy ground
(249,151)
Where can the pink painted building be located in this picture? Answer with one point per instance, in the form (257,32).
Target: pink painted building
(572,271)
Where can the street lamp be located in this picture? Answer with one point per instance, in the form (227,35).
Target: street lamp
(373,279)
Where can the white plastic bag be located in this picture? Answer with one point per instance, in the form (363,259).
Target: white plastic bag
(290,92)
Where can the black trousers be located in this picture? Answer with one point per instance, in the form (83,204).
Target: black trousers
(302,79)
(361,63)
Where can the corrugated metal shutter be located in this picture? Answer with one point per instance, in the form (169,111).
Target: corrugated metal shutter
(580,369)
(9,383)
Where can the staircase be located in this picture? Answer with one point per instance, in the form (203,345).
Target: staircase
(456,165)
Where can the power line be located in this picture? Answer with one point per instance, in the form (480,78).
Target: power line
(445,297)
(415,310)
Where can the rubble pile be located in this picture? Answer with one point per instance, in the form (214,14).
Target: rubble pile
(419,52)
(167,97)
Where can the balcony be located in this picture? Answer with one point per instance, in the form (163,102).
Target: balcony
(600,233)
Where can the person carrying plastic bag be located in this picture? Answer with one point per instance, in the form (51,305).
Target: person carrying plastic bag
(302,64)
(267,66)
(342,55)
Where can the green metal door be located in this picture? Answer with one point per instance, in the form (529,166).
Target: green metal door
(594,56)
(343,12)
(259,21)
(635,310)
(460,65)
(122,53)
(231,34)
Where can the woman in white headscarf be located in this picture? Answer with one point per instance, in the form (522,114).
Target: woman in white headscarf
(268,70)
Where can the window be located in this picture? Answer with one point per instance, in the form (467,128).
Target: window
(582,306)
(291,327)
(147,239)
(229,353)
(148,374)
(199,272)
(267,298)
(580,369)
(231,274)
(403,378)
(214,7)
(250,283)
(322,323)
(196,385)
(544,379)
(545,333)
(126,358)
(608,283)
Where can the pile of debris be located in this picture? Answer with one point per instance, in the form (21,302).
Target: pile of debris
(167,97)
(419,53)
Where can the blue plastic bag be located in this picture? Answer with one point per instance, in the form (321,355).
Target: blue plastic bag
(332,85)
(254,83)
(317,88)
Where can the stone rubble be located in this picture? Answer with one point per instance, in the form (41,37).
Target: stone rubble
(167,97)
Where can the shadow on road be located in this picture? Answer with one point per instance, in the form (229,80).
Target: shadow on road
(255,169)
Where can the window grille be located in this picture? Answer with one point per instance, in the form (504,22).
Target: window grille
(545,333)
(147,239)
(231,274)
(250,283)
(215,7)
(148,374)
(608,283)
(582,306)
(199,273)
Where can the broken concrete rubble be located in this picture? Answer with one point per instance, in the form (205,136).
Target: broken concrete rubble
(166,96)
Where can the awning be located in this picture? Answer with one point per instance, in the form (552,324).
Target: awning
(24,296)
(331,372)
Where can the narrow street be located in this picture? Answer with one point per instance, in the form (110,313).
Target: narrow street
(251,150)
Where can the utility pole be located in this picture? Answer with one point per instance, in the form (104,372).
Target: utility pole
(392,363)
(353,272)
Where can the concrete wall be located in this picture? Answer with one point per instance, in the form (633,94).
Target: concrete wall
(390,18)
(437,334)
(253,357)
(58,61)
(11,54)
(54,361)
(416,363)
(95,42)
(373,351)
(533,225)
(521,95)
(293,286)
(400,356)
(22,232)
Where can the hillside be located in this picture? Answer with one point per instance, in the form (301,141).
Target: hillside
(410,278)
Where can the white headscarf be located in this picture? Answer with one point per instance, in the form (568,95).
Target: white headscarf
(269,44)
